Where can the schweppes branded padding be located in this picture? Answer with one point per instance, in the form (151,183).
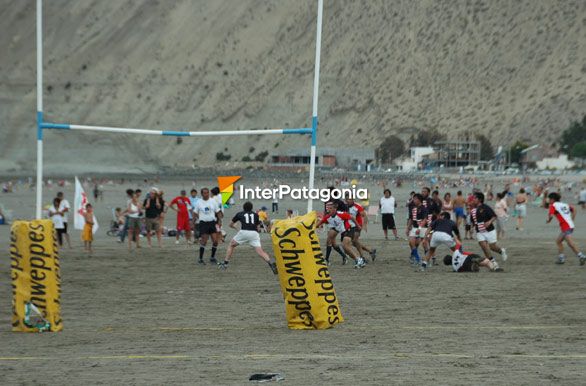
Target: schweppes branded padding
(310,299)
(36,281)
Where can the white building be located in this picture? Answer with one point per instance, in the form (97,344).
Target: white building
(560,163)
(413,162)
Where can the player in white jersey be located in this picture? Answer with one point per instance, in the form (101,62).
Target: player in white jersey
(332,223)
(565,215)
(469,262)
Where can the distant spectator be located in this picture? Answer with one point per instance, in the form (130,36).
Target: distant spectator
(87,234)
(57,219)
(64,208)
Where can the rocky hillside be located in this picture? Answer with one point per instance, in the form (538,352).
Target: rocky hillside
(508,69)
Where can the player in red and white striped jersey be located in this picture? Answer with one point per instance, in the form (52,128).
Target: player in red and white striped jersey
(359,214)
(565,215)
(345,224)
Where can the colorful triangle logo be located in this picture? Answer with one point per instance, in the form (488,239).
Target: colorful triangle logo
(226,185)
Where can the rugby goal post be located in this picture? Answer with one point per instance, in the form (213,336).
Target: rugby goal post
(43,125)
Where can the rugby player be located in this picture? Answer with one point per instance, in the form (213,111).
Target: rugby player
(416,226)
(469,262)
(483,218)
(345,225)
(248,234)
(331,236)
(359,214)
(565,214)
(443,231)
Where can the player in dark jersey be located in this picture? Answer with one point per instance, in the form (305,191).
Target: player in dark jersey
(483,218)
(416,226)
(443,231)
(248,234)
(429,206)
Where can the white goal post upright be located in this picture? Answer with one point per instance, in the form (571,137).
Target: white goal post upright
(41,124)
(320,9)
(39,107)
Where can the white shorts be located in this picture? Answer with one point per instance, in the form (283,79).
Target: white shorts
(441,238)
(420,235)
(247,238)
(521,210)
(489,237)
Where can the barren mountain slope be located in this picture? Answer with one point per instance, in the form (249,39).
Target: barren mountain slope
(508,69)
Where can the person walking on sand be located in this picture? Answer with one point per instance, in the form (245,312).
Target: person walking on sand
(387,205)
(521,208)
(87,235)
(64,208)
(502,215)
(134,211)
(57,218)
(459,204)
(152,207)
(181,205)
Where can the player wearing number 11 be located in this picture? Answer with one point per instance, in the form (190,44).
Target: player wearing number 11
(248,234)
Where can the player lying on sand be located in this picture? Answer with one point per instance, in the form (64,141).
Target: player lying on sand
(469,262)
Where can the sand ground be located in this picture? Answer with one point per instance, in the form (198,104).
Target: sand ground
(155,317)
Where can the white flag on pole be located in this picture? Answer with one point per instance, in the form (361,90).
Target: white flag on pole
(79,204)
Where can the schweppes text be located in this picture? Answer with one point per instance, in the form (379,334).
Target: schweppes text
(308,290)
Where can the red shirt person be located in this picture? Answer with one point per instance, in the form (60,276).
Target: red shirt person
(181,205)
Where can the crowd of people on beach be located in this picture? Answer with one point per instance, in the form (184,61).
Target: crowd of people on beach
(433,220)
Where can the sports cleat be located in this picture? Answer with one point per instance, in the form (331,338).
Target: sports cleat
(560,260)
(582,260)
(213,260)
(504,254)
(344,259)
(201,262)
(432,262)
(423,267)
(412,260)
(222,266)
(359,263)
(373,254)
(273,268)
(328,262)
(494,266)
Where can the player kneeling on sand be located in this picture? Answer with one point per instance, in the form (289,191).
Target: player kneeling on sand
(443,232)
(248,234)
(565,215)
(469,262)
